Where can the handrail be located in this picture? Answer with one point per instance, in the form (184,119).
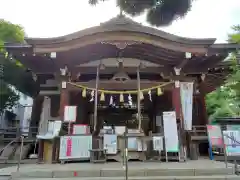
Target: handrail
(20,155)
(21,148)
(9,144)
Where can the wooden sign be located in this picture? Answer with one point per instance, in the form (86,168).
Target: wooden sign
(215,135)
(70,113)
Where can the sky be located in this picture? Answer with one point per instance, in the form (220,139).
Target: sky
(52,18)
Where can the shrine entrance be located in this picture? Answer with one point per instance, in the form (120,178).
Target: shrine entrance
(124,73)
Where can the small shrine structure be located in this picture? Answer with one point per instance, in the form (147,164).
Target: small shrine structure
(122,73)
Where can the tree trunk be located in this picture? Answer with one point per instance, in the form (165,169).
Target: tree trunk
(35,117)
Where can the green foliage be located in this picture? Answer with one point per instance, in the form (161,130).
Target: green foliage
(8,33)
(225,101)
(8,96)
(222,103)
(159,12)
(235,37)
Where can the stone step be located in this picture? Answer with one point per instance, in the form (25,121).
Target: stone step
(121,173)
(229,177)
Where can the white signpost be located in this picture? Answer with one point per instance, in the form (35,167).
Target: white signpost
(70,115)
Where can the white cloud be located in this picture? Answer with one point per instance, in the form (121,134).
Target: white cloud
(49,18)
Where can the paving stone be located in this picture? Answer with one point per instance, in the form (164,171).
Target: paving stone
(35,174)
(215,171)
(113,173)
(147,178)
(169,172)
(87,173)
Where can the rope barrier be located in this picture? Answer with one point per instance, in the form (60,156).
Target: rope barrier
(119,92)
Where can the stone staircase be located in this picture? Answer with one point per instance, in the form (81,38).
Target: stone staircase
(133,174)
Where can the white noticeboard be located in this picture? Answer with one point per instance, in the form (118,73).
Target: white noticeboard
(141,145)
(80,129)
(158,143)
(75,147)
(170,131)
(70,113)
(110,143)
(231,141)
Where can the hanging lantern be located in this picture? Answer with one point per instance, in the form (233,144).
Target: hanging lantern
(84,93)
(130,100)
(121,99)
(102,97)
(159,91)
(141,95)
(150,95)
(6,55)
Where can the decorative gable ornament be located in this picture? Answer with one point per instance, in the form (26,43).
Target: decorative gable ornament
(63,71)
(203,76)
(53,55)
(177,71)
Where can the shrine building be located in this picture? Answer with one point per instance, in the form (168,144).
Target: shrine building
(122,73)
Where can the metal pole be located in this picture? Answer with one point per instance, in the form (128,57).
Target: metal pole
(20,156)
(96,100)
(126,151)
(139,100)
(224,149)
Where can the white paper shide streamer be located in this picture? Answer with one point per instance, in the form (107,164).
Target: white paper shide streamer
(92,96)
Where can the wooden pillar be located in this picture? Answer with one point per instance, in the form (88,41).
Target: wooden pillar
(64,93)
(202,94)
(95,115)
(64,101)
(176,101)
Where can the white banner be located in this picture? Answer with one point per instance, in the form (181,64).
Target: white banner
(110,143)
(186,92)
(170,131)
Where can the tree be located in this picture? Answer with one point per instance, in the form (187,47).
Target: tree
(11,71)
(159,12)
(225,101)
(234,79)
